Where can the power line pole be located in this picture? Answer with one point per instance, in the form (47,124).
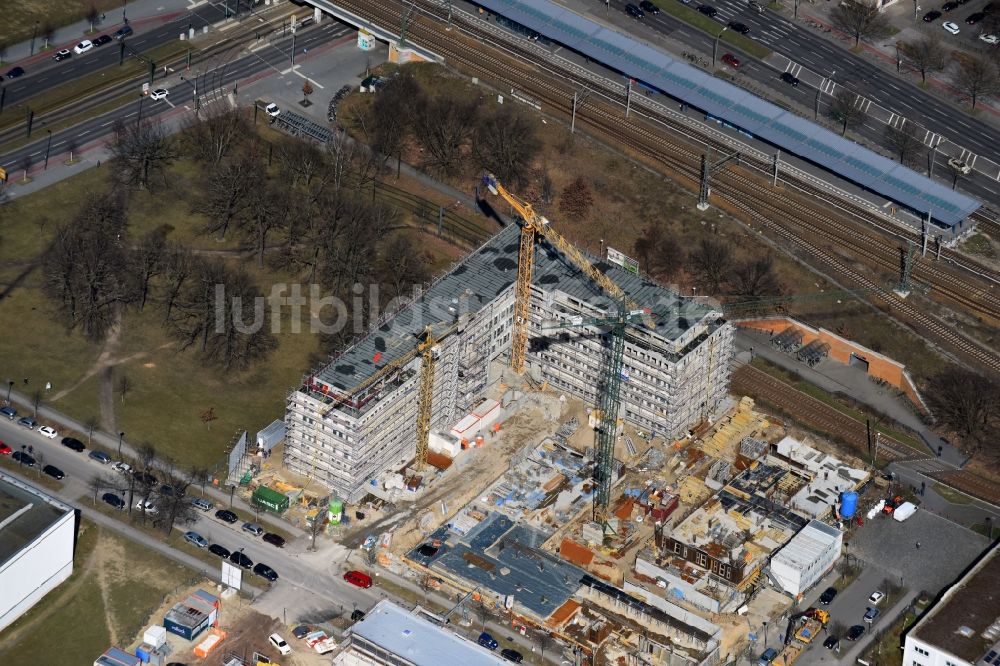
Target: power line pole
(707,169)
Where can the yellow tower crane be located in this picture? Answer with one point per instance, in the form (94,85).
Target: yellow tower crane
(534,225)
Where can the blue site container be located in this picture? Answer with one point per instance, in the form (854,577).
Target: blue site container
(848,504)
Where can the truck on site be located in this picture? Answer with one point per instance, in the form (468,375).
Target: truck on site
(788,655)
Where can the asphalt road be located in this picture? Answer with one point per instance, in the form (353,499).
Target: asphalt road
(210,82)
(824,57)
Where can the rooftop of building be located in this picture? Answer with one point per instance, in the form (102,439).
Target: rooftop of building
(965,621)
(478,280)
(25,514)
(419,640)
(806,546)
(742,520)
(830,476)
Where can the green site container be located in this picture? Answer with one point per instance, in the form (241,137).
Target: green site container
(269,499)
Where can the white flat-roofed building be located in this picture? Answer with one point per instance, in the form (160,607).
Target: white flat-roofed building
(807,557)
(390,634)
(37,535)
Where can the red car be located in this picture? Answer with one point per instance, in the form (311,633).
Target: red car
(4,449)
(358,578)
(731,60)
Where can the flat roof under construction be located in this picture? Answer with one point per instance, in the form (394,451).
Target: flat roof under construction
(483,276)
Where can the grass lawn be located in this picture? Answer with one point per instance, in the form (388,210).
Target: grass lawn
(712,27)
(886,649)
(20,16)
(115,585)
(951,494)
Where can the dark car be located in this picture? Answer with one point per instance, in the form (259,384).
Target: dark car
(989,8)
(221,551)
(226,516)
(102,40)
(357,615)
(301,631)
(932,15)
(241,560)
(24,458)
(634,11)
(63,54)
(14,72)
(487,641)
(973,19)
(7,410)
(122,32)
(831,643)
(265,571)
(274,539)
(511,655)
(708,10)
(100,456)
(649,7)
(731,60)
(855,632)
(54,472)
(829,594)
(73,443)
(948,6)
(145,478)
(791,80)
(27,422)
(741,28)
(114,500)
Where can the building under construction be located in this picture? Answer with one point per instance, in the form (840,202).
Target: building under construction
(357,417)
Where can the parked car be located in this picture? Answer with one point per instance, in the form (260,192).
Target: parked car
(279,644)
(168,490)
(301,631)
(83,47)
(741,28)
(219,550)
(876,597)
(855,632)
(358,578)
(27,422)
(253,528)
(767,657)
(196,539)
(634,11)
(871,614)
(114,500)
(990,39)
(790,79)
(274,539)
(226,516)
(272,110)
(649,7)
(14,72)
(122,32)
(23,458)
(102,40)
(511,655)
(950,27)
(240,560)
(46,431)
(708,10)
(61,55)
(829,594)
(948,6)
(100,456)
(73,443)
(932,15)
(122,467)
(4,449)
(8,411)
(144,478)
(357,615)
(973,19)
(201,504)
(54,472)
(265,571)
(146,505)
(831,643)
(487,641)
(731,60)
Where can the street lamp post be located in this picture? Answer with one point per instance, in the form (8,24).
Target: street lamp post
(10,387)
(48,147)
(124,18)
(989,527)
(715,46)
(120,436)
(34,33)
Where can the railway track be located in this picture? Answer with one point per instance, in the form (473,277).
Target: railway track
(748,380)
(788,216)
(970,484)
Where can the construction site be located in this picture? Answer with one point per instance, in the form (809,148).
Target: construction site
(551,435)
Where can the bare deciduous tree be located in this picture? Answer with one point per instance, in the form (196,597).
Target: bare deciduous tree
(846,109)
(861,19)
(978,78)
(390,116)
(146,261)
(141,153)
(927,54)
(712,260)
(904,142)
(124,386)
(227,191)
(92,16)
(969,404)
(216,135)
(505,144)
(754,279)
(268,203)
(401,265)
(443,126)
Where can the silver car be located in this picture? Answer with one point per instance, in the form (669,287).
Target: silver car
(196,539)
(253,528)
(202,504)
